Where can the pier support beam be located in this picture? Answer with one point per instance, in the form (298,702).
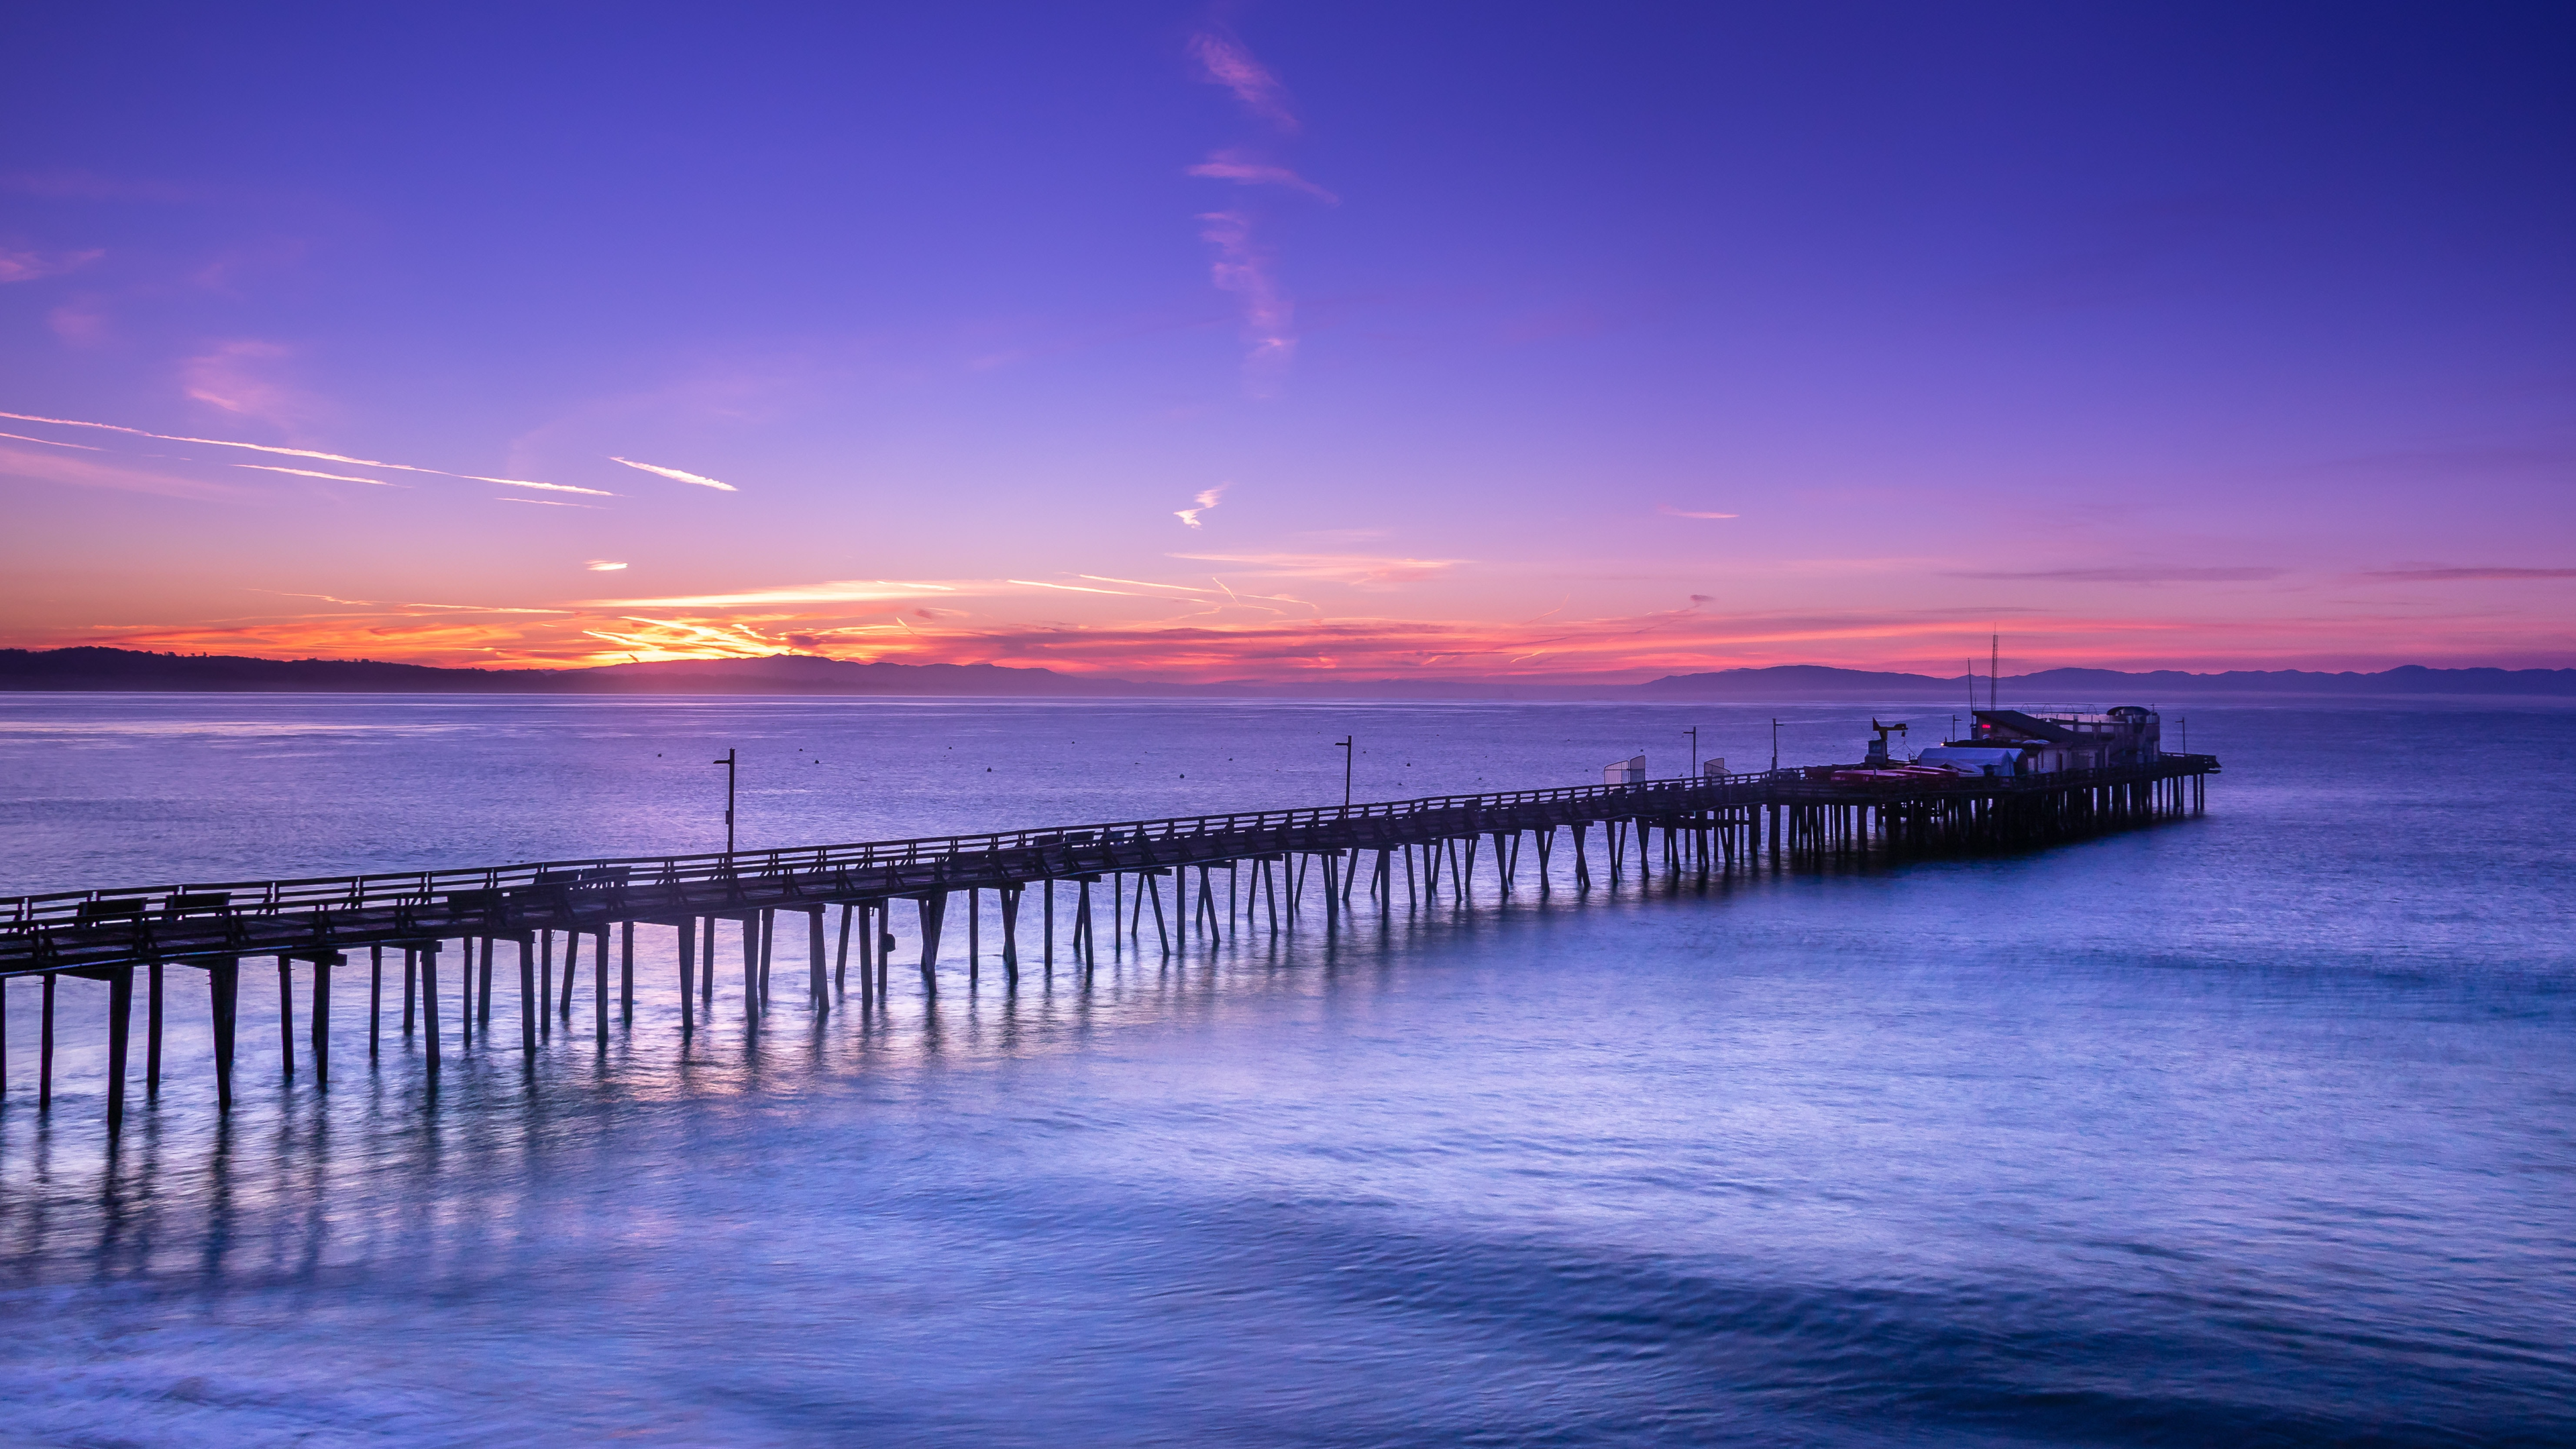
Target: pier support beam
(688,954)
(223,993)
(120,1017)
(934,911)
(818,981)
(322,1019)
(152,1037)
(286,1018)
(1010,934)
(429,1003)
(531,1005)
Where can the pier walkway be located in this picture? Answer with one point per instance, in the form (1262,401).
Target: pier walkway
(1256,870)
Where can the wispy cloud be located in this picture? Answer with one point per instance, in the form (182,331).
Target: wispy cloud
(1071,588)
(109,470)
(51,443)
(603,566)
(1670,511)
(1245,169)
(1224,61)
(2141,574)
(27,266)
(2461,575)
(236,377)
(676,474)
(409,605)
(837,591)
(1269,317)
(335,477)
(1207,499)
(1342,568)
(79,322)
(1142,584)
(313,453)
(546,503)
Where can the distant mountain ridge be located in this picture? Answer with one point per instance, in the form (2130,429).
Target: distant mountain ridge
(1798,681)
(87,668)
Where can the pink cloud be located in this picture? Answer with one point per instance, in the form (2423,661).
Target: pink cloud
(1227,63)
(235,377)
(78,323)
(108,472)
(1269,317)
(1207,499)
(27,266)
(1340,568)
(1246,170)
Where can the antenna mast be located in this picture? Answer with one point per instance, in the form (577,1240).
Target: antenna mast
(1994,656)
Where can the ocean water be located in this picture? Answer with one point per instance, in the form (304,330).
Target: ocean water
(2255,1128)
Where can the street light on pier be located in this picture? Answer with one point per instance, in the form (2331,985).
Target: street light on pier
(1693,732)
(728,763)
(1348,745)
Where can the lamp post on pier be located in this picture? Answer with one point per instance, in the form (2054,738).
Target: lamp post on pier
(1693,732)
(728,763)
(1348,745)
(1775,744)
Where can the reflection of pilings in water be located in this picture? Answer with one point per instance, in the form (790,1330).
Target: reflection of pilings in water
(1709,828)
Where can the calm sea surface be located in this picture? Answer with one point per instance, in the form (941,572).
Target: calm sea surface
(2257,1128)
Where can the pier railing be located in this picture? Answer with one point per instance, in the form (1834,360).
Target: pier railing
(174,903)
(413,888)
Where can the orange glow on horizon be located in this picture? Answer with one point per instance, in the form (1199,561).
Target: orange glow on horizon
(1597,650)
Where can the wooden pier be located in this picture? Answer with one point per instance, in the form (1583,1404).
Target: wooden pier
(1260,871)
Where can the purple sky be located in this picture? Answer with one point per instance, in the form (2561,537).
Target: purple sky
(1267,341)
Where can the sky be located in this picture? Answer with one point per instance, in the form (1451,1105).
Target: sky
(1293,341)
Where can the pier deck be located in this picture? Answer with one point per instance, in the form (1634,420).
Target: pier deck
(1776,820)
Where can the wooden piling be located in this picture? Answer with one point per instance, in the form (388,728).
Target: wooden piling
(818,983)
(1085,950)
(152,1036)
(1010,934)
(286,1017)
(572,969)
(687,949)
(322,1021)
(120,1016)
(530,1007)
(934,909)
(707,966)
(223,992)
